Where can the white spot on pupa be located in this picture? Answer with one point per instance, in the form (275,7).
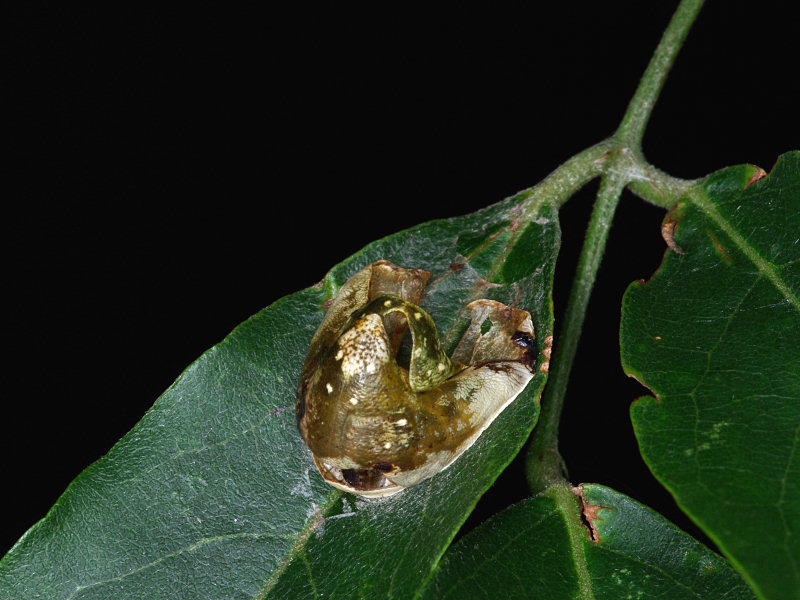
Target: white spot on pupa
(353,401)
(387,445)
(387,303)
(417,315)
(441,367)
(364,343)
(401,422)
(329,387)
(371,368)
(339,355)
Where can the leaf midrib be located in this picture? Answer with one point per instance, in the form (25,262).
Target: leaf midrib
(300,542)
(190,548)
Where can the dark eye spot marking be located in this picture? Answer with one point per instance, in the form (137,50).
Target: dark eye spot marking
(523,340)
(351,477)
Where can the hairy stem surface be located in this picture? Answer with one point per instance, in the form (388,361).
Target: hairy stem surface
(623,165)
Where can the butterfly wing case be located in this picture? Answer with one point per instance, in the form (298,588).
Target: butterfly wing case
(375,427)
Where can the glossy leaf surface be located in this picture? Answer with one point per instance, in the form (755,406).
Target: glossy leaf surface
(214,495)
(714,334)
(539,548)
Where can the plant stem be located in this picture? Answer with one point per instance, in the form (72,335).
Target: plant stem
(562,183)
(623,165)
(646,181)
(656,187)
(544,464)
(631,129)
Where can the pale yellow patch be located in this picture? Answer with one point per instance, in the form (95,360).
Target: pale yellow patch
(364,343)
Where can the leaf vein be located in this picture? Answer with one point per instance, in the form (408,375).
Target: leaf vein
(765,267)
(191,548)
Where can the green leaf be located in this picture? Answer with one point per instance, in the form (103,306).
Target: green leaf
(214,495)
(539,548)
(714,334)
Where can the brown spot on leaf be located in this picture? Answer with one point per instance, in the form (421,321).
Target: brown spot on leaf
(515,210)
(756,177)
(668,230)
(546,352)
(456,266)
(589,516)
(719,247)
(514,224)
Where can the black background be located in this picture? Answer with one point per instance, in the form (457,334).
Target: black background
(174,172)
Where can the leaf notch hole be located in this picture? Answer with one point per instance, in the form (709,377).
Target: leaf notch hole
(668,229)
(588,515)
(486,326)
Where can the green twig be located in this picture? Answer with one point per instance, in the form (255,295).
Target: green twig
(545,466)
(560,185)
(656,187)
(623,165)
(634,122)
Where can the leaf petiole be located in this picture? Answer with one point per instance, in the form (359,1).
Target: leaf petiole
(623,166)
